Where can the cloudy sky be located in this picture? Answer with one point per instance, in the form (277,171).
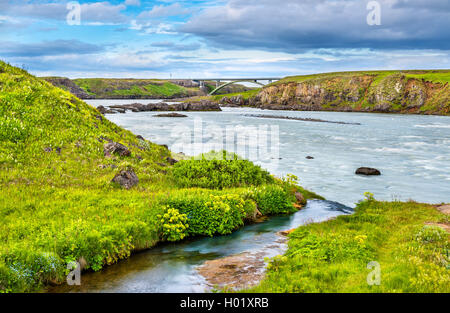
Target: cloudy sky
(218,38)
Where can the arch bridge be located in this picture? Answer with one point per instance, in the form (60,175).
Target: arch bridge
(230,81)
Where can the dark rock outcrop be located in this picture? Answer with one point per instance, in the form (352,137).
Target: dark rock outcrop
(367,171)
(111,148)
(126,179)
(171,115)
(201,105)
(171,161)
(69,85)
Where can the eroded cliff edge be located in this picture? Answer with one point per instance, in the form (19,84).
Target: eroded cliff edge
(417,92)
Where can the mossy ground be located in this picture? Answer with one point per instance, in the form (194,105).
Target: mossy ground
(333,256)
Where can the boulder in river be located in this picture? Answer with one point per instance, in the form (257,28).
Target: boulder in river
(126,179)
(368,171)
(171,115)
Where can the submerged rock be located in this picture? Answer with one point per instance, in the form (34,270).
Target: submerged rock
(126,179)
(171,115)
(368,171)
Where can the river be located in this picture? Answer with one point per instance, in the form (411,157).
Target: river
(411,151)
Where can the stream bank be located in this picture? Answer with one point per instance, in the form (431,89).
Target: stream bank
(174,267)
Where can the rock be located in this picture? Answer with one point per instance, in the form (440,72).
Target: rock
(300,198)
(310,157)
(171,115)
(126,179)
(235,271)
(171,160)
(286,232)
(202,105)
(367,171)
(117,148)
(102,109)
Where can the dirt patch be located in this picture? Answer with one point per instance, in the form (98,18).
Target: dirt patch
(444,208)
(236,271)
(445,226)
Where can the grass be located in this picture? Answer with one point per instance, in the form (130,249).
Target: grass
(245,95)
(333,256)
(110,88)
(57,201)
(437,76)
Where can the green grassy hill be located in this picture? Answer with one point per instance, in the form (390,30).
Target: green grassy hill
(58,203)
(105,88)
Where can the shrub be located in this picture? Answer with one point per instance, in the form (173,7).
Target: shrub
(273,199)
(219,173)
(210,214)
(173,225)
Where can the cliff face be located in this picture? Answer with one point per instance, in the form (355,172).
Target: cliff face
(68,85)
(389,92)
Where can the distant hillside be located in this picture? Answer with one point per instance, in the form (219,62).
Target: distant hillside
(420,92)
(103,88)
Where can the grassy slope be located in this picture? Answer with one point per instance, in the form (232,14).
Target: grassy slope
(439,76)
(333,256)
(110,88)
(59,205)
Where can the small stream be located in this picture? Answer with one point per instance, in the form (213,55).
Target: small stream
(172,267)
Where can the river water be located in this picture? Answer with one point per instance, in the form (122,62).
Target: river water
(172,267)
(412,152)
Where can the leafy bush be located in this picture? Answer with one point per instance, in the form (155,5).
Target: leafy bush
(219,173)
(209,214)
(273,199)
(173,225)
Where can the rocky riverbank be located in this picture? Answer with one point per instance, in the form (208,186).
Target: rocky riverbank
(201,105)
(413,92)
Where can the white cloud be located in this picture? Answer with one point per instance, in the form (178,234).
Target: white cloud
(133,2)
